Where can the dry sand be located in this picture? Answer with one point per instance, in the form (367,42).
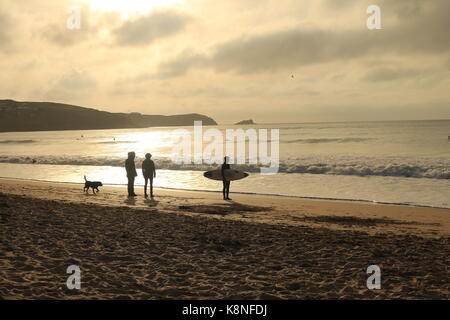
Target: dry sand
(185,245)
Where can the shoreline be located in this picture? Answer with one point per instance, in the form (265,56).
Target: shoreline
(251,194)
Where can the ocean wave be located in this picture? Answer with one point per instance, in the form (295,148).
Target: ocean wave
(16,141)
(113,142)
(439,170)
(291,128)
(329,140)
(387,170)
(307,126)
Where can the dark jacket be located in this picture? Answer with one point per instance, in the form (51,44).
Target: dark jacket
(131,168)
(148,168)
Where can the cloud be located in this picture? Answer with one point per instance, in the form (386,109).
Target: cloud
(145,29)
(297,47)
(172,68)
(423,26)
(284,50)
(338,4)
(291,48)
(385,74)
(6,40)
(58,33)
(265,53)
(70,85)
(281,50)
(181,65)
(76,80)
(404,8)
(64,37)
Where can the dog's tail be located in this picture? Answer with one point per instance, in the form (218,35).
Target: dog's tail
(85,178)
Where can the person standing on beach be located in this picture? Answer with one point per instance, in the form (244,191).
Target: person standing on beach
(149,172)
(226,183)
(131,173)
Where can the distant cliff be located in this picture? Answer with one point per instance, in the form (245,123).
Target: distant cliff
(245,122)
(43,116)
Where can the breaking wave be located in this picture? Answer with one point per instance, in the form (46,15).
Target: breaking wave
(16,141)
(114,142)
(440,170)
(329,140)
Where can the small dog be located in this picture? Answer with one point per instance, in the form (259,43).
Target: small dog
(91,184)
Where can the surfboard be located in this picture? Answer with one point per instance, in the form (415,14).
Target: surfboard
(230,174)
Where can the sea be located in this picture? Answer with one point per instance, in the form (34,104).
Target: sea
(393,162)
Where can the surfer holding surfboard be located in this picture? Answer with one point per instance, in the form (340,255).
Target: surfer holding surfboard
(226,175)
(226,183)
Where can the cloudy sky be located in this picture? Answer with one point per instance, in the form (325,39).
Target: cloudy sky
(270,60)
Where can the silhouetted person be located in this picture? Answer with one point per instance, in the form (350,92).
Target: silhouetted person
(226,183)
(149,172)
(131,173)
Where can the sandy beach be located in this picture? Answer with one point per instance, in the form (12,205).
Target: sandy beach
(193,245)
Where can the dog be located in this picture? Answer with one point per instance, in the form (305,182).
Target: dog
(91,184)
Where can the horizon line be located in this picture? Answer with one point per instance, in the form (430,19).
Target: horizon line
(257,123)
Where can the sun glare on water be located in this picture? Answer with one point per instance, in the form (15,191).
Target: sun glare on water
(141,6)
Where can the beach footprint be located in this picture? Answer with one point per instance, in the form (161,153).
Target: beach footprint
(151,202)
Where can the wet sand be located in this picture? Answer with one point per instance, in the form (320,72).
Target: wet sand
(192,245)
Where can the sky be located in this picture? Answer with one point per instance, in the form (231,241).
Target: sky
(268,60)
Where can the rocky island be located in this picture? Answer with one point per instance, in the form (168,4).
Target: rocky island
(245,122)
